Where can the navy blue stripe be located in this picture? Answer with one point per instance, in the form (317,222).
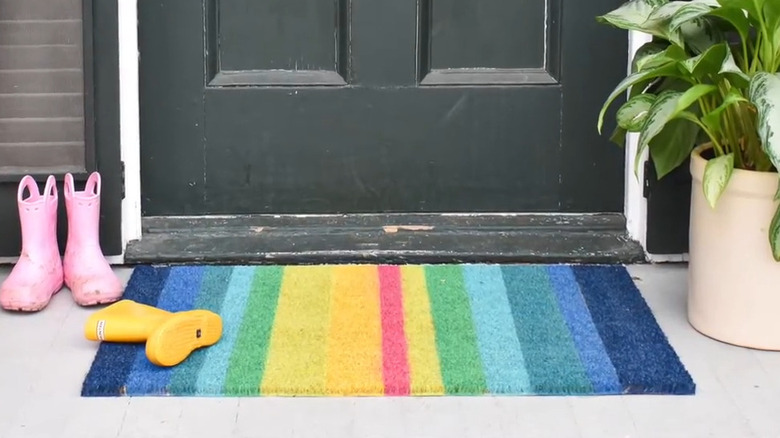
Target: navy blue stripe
(644,360)
(114,361)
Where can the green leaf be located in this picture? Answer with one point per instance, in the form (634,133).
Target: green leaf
(673,145)
(717,174)
(619,136)
(736,17)
(764,92)
(693,94)
(631,116)
(774,235)
(777,193)
(708,63)
(712,119)
(752,7)
(772,19)
(666,70)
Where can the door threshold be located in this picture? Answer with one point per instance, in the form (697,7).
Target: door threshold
(385,238)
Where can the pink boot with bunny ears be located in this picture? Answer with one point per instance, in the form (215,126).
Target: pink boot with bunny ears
(87,272)
(37,275)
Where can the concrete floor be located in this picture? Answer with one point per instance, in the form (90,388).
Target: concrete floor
(45,357)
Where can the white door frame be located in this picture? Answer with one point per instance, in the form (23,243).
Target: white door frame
(635,205)
(129,120)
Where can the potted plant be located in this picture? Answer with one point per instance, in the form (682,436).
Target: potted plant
(707,87)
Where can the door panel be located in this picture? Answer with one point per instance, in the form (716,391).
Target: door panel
(360,106)
(345,161)
(287,35)
(487,34)
(54,76)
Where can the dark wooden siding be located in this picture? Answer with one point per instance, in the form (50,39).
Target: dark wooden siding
(41,86)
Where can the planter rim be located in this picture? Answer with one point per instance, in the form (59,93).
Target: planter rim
(747,182)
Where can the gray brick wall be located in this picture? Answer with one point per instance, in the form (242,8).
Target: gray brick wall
(41,85)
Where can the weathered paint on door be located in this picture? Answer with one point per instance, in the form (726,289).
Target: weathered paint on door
(357,106)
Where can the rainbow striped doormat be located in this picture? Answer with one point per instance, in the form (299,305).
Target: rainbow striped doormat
(368,330)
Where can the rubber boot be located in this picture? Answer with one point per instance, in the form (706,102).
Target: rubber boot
(124,321)
(170,337)
(181,334)
(38,274)
(87,272)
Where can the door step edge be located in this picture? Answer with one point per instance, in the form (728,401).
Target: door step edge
(394,239)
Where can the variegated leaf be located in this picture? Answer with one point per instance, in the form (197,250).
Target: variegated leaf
(631,116)
(764,92)
(700,34)
(659,114)
(645,54)
(630,80)
(631,15)
(690,11)
(717,174)
(666,12)
(668,106)
(646,61)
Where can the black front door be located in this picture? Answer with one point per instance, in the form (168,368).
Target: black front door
(58,68)
(369,106)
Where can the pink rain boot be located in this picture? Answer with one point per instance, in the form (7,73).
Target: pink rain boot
(37,276)
(87,272)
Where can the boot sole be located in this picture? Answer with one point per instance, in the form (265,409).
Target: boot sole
(96,302)
(28,307)
(176,338)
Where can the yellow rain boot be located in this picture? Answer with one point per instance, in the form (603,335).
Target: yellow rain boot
(124,321)
(182,333)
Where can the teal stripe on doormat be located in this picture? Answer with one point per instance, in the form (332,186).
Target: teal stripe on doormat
(501,352)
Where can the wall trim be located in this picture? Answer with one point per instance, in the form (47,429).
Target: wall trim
(130,133)
(635,205)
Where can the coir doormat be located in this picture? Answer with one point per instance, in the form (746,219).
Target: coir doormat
(367,330)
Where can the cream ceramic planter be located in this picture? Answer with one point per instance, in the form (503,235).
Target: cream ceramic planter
(734,283)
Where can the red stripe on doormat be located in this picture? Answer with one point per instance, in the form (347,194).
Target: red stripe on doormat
(395,363)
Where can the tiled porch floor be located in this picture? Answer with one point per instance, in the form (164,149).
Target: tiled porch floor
(43,359)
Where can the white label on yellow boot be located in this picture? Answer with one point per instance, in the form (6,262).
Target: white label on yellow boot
(101,327)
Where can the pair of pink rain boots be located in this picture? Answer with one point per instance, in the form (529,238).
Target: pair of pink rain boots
(40,272)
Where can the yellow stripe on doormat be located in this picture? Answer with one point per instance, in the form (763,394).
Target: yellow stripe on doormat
(354,364)
(298,348)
